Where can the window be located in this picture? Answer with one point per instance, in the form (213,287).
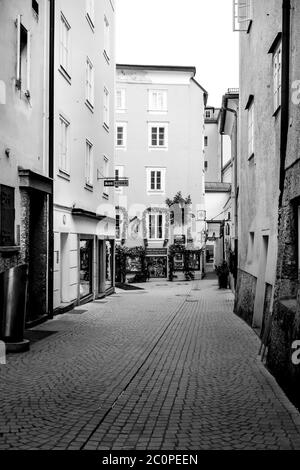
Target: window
(89,84)
(208,114)
(7,215)
(120,100)
(23,58)
(205,141)
(106,39)
(105,174)
(89,163)
(242,15)
(277,77)
(157,100)
(205,165)
(64,163)
(251,130)
(121,135)
(64,44)
(35,7)
(158,137)
(90,12)
(155,226)
(106,108)
(156,178)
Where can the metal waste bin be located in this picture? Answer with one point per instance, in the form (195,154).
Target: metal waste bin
(13,296)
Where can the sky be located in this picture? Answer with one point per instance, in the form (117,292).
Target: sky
(181,32)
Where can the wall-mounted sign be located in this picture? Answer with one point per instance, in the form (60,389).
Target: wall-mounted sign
(156,252)
(112,183)
(179,239)
(201,215)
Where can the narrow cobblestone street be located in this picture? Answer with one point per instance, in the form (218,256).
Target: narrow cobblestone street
(167,367)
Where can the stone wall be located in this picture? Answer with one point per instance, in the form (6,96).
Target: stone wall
(285,330)
(245,296)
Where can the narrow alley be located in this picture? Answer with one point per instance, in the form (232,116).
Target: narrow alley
(168,366)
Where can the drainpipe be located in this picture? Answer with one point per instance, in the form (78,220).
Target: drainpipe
(285,92)
(51,155)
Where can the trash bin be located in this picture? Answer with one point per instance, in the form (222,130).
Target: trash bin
(13,295)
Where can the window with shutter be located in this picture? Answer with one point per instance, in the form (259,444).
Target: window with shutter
(242,15)
(7,216)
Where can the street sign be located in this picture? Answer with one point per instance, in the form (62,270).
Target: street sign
(110,183)
(115,183)
(121,183)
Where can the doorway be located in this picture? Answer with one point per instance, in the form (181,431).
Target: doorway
(261,286)
(64,268)
(86,268)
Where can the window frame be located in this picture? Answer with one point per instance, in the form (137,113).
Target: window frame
(90,83)
(250,130)
(277,76)
(164,100)
(89,164)
(65,169)
(122,107)
(158,126)
(19,75)
(106,44)
(105,174)
(122,125)
(90,13)
(65,67)
(155,216)
(106,108)
(162,180)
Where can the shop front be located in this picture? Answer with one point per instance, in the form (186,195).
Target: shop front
(86,267)
(157,262)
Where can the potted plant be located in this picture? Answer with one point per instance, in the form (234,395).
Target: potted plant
(222,271)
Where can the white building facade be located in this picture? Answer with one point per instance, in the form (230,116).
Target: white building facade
(25,185)
(84,223)
(159,148)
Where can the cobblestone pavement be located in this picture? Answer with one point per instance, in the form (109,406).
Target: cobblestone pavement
(168,367)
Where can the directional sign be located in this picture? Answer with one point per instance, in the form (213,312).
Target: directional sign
(110,183)
(115,183)
(121,183)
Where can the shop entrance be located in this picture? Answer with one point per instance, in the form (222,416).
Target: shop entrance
(86,267)
(157,266)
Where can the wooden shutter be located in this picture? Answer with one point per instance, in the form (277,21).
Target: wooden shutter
(7,216)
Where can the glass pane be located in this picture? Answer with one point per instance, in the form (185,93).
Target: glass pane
(86,258)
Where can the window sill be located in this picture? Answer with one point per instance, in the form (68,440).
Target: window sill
(275,114)
(89,187)
(157,111)
(121,111)
(158,148)
(90,22)
(65,74)
(9,250)
(106,127)
(106,57)
(249,26)
(89,105)
(153,191)
(64,175)
(120,147)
